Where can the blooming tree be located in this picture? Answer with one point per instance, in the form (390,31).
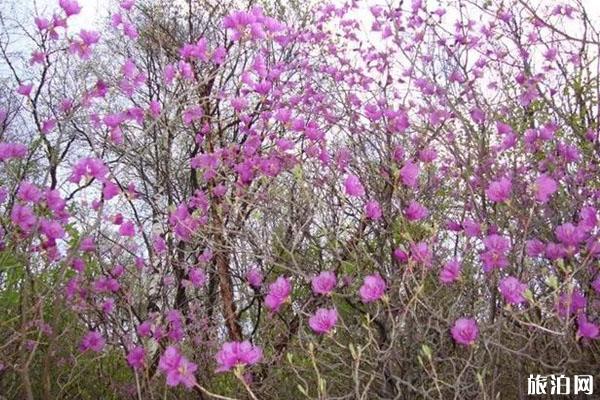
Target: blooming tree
(358,199)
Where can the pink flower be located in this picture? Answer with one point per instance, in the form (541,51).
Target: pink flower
(48,125)
(499,191)
(192,114)
(89,167)
(353,186)
(23,217)
(569,234)
(135,357)
(25,89)
(155,109)
(12,150)
(324,283)
(159,245)
(219,55)
(571,303)
(145,329)
(512,290)
(29,193)
(279,293)
(323,320)
(87,244)
(127,229)
(78,265)
(450,272)
(400,255)
(372,289)
(127,4)
(92,341)
(234,354)
(41,23)
(596,284)
(544,188)
(53,230)
(586,329)
(465,331)
(37,57)
(83,46)
(177,368)
(421,253)
(534,248)
(409,174)
(254,277)
(494,256)
(373,210)
(415,211)
(108,306)
(70,7)
(477,115)
(110,190)
(197,277)
(588,218)
(471,228)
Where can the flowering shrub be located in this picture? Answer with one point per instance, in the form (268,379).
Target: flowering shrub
(357,199)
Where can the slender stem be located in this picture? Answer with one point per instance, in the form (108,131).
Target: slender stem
(238,374)
(214,395)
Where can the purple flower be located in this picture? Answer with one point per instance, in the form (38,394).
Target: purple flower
(53,230)
(89,167)
(177,368)
(324,283)
(494,256)
(323,320)
(587,219)
(279,293)
(465,331)
(92,341)
(421,253)
(234,354)
(544,188)
(450,272)
(596,284)
(353,186)
(23,217)
(400,255)
(555,251)
(158,244)
(29,193)
(135,357)
(87,244)
(512,290)
(586,329)
(534,248)
(415,211)
(472,228)
(254,277)
(372,289)
(25,89)
(569,234)
(409,174)
(12,150)
(373,210)
(477,115)
(197,277)
(499,191)
(570,303)
(127,229)
(70,7)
